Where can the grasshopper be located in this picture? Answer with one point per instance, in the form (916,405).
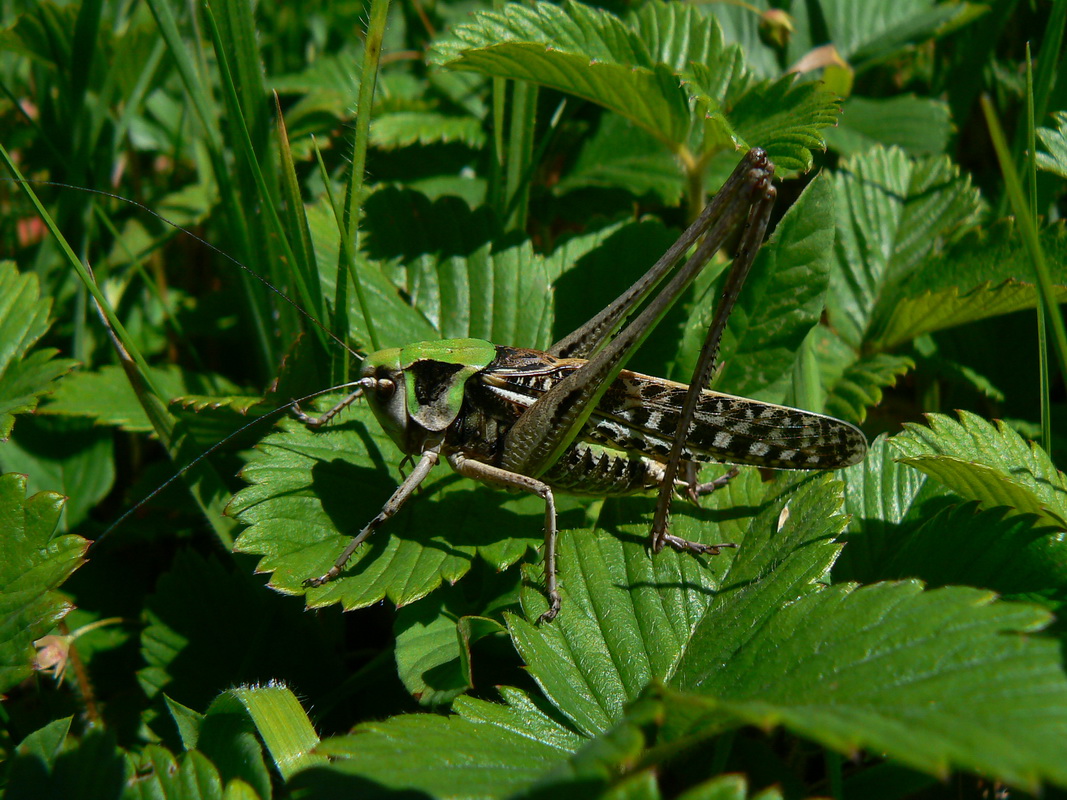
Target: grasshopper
(572,420)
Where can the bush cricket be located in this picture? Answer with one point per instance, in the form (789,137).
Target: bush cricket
(572,420)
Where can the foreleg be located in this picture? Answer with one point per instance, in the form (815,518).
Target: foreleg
(427,462)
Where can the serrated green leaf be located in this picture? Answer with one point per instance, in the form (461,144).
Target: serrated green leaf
(33,564)
(453,275)
(405,128)
(882,497)
(933,311)
(905,525)
(1008,554)
(1055,142)
(275,637)
(647,71)
(302,511)
(106,397)
(920,126)
(679,35)
(932,679)
(786,118)
(860,386)
(53,763)
(330,73)
(891,213)
(621,155)
(789,551)
(590,667)
(486,750)
(964,375)
(629,619)
(239,403)
(600,760)
(192,776)
(872,32)
(989,463)
(986,274)
(25,374)
(70,457)
(433,648)
(575,49)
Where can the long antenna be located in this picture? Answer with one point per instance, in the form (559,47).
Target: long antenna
(268,415)
(214,448)
(203,241)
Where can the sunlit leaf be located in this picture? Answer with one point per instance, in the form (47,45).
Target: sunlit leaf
(930,678)
(892,212)
(1055,143)
(25,373)
(34,562)
(989,463)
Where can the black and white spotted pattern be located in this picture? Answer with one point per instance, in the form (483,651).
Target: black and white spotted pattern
(638,415)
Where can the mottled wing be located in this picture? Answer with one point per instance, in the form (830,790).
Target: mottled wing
(640,413)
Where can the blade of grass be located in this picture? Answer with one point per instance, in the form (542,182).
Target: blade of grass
(1048,60)
(496,196)
(230,201)
(372,54)
(520,154)
(281,722)
(295,217)
(300,269)
(1042,322)
(346,268)
(238,31)
(519,202)
(1028,232)
(204,483)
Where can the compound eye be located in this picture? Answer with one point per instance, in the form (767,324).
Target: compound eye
(384,387)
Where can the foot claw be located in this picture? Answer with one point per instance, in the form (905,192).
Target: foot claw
(322,580)
(697,548)
(307,419)
(553,608)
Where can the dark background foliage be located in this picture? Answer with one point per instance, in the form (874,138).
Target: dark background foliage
(887,631)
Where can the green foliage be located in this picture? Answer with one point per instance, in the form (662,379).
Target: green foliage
(524,163)
(917,125)
(24,375)
(987,463)
(1054,141)
(672,57)
(34,565)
